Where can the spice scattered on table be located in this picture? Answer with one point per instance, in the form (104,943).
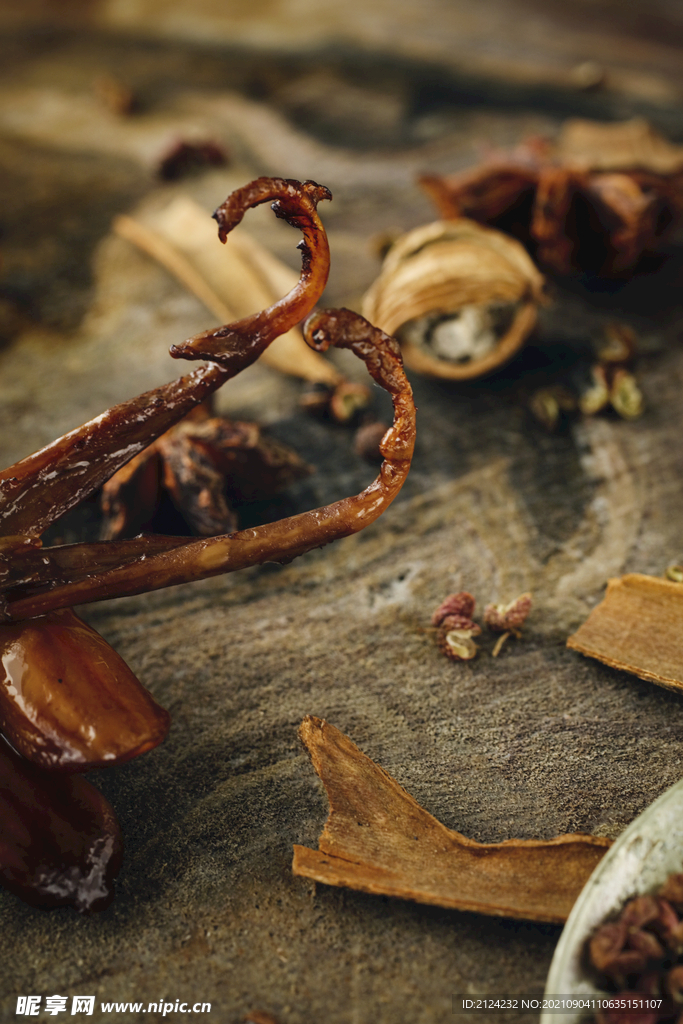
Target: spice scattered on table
(507,619)
(456,628)
(379,840)
(606,380)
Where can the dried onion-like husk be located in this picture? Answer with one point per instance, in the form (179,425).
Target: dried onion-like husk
(448,267)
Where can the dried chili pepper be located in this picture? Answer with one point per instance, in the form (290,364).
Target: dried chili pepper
(36,582)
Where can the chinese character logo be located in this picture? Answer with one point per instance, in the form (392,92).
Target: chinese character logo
(29,1006)
(83,1004)
(55,1004)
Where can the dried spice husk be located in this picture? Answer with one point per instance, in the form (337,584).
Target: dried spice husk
(637,628)
(597,200)
(378,839)
(455,276)
(60,842)
(68,701)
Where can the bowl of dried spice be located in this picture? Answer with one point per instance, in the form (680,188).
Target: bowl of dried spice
(620,954)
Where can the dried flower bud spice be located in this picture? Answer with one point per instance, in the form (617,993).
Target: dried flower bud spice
(461,603)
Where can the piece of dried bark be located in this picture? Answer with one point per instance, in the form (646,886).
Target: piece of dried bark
(378,839)
(638,627)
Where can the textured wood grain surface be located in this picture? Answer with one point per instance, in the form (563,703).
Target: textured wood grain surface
(537,742)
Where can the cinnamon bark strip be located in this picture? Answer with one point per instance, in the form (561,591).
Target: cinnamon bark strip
(638,627)
(378,839)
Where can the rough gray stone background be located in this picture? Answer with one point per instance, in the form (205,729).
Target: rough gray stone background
(540,741)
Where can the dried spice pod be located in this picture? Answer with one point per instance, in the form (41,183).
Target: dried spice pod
(501,618)
(205,464)
(460,298)
(60,843)
(455,638)
(378,839)
(594,201)
(68,701)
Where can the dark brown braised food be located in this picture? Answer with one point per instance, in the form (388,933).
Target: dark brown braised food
(67,701)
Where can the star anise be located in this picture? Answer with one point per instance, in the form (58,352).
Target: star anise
(596,201)
(205,464)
